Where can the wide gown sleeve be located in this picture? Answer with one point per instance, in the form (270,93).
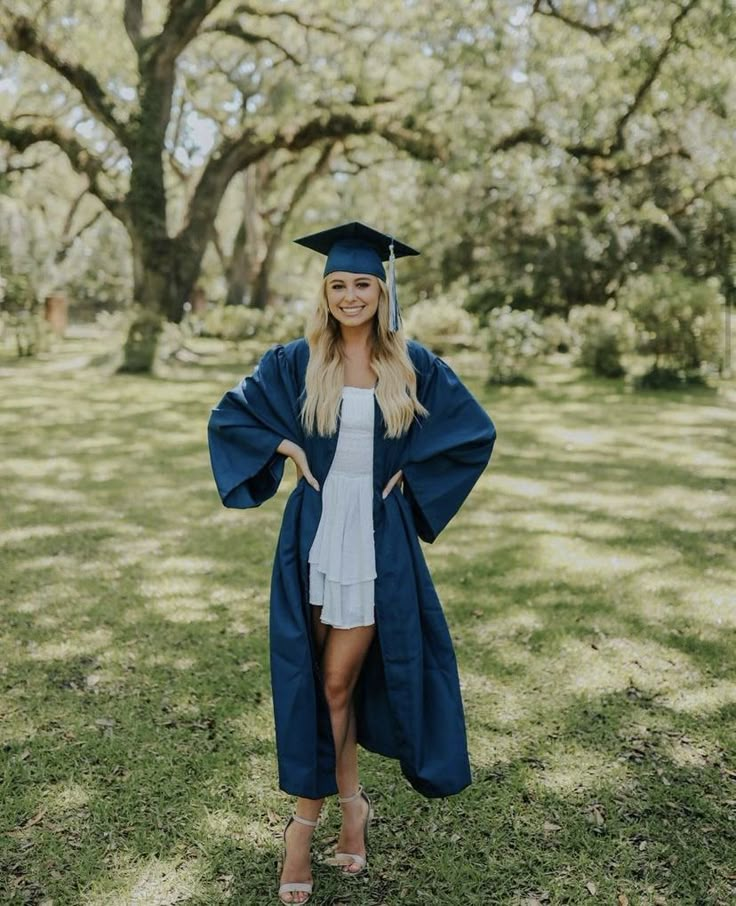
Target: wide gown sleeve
(246,427)
(448,450)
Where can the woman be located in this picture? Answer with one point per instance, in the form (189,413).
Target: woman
(359,646)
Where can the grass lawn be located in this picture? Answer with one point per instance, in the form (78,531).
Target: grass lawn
(588,583)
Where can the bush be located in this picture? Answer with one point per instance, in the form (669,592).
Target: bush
(239,322)
(22,326)
(558,335)
(442,324)
(679,321)
(601,337)
(515,338)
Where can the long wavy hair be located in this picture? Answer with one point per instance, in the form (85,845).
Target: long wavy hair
(396,386)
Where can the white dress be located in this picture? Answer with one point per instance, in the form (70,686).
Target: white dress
(342,559)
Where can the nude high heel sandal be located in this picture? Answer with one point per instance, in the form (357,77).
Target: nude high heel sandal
(347,858)
(295,886)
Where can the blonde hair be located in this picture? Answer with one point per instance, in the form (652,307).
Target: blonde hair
(396,388)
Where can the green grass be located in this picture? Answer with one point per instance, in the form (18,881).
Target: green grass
(589,587)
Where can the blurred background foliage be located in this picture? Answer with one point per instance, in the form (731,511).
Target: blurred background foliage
(567,169)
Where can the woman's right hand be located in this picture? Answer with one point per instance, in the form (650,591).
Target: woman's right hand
(296,453)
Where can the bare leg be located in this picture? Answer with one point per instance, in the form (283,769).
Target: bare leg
(344,653)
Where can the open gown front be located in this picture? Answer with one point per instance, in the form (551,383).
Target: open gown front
(408,702)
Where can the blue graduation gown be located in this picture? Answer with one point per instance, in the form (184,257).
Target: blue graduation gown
(408,702)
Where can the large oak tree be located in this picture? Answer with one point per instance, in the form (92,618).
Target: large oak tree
(124,158)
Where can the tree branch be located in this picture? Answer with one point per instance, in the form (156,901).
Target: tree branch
(607,149)
(11,169)
(133,21)
(698,193)
(23,37)
(79,157)
(233,28)
(180,28)
(651,76)
(526,135)
(64,248)
(598,31)
(234,155)
(248,10)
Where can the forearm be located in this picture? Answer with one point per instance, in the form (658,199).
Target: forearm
(287,448)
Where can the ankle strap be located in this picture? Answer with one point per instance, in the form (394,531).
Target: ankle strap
(306,821)
(351,798)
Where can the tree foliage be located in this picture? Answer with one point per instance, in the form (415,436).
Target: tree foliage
(541,154)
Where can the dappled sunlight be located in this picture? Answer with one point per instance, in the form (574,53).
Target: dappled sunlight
(56,496)
(561,676)
(508,626)
(61,562)
(553,521)
(188,566)
(179,608)
(73,644)
(521,487)
(254,724)
(586,581)
(161,659)
(575,557)
(132,550)
(687,753)
(67,796)
(227,825)
(16,726)
(150,882)
(508,703)
(712,601)
(703,698)
(26,533)
(570,767)
(170,584)
(615,664)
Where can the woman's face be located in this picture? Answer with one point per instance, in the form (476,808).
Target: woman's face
(352,298)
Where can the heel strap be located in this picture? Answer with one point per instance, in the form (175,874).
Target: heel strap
(351,798)
(306,821)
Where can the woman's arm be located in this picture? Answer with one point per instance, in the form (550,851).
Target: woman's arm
(297,454)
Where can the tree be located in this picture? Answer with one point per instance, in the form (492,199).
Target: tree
(125,164)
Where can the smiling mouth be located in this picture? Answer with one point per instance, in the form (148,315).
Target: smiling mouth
(354,309)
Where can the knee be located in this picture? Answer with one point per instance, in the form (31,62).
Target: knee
(337,690)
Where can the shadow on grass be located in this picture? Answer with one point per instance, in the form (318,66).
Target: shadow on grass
(588,585)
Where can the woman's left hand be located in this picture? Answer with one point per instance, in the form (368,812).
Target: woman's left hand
(391,483)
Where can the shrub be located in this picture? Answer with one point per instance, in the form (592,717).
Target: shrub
(601,337)
(679,321)
(515,338)
(558,335)
(239,322)
(442,324)
(22,326)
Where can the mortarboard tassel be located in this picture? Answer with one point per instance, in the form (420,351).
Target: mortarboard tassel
(394,321)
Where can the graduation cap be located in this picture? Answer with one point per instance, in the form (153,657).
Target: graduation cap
(359,249)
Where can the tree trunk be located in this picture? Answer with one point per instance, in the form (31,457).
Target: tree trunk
(165,273)
(261,292)
(238,270)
